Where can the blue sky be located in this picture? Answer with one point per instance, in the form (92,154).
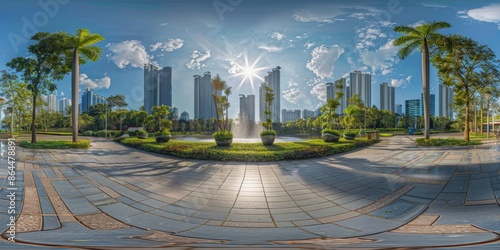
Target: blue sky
(313,42)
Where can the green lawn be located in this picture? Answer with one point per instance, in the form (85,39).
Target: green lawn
(247,151)
(445,142)
(82,144)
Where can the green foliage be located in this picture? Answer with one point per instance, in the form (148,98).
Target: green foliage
(267,132)
(268,100)
(88,133)
(141,133)
(54,133)
(386,135)
(223,135)
(81,144)
(331,131)
(247,151)
(350,134)
(445,142)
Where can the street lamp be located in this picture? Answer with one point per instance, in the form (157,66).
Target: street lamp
(488,96)
(106,125)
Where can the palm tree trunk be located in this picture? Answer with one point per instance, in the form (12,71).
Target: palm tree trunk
(33,120)
(74,93)
(425,88)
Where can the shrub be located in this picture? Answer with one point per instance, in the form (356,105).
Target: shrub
(100,133)
(268,132)
(88,133)
(362,132)
(223,135)
(131,133)
(350,134)
(445,142)
(331,131)
(81,144)
(141,133)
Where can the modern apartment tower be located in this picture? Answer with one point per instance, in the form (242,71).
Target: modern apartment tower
(445,101)
(432,104)
(63,105)
(412,107)
(51,102)
(387,93)
(361,85)
(247,109)
(272,80)
(204,106)
(340,85)
(89,98)
(157,87)
(290,115)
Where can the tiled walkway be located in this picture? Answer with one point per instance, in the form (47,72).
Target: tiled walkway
(391,194)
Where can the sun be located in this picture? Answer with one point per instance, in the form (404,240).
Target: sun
(249,71)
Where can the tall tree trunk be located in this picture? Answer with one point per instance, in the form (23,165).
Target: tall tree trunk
(425,78)
(33,120)
(466,130)
(74,93)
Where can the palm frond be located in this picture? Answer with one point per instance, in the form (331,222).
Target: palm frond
(405,39)
(90,39)
(408,49)
(91,53)
(434,26)
(406,29)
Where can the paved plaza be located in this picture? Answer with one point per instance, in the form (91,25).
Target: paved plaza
(391,194)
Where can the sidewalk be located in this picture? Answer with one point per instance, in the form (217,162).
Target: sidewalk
(392,194)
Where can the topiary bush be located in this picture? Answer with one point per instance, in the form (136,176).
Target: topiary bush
(331,131)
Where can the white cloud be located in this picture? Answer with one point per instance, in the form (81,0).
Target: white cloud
(197,59)
(291,83)
(278,36)
(434,5)
(401,82)
(367,37)
(381,59)
(61,94)
(488,13)
(418,23)
(234,69)
(128,53)
(163,24)
(169,46)
(323,60)
(320,14)
(86,82)
(271,48)
(293,95)
(319,91)
(386,71)
(303,36)
(308,45)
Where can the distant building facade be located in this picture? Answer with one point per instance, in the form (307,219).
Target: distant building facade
(157,87)
(51,102)
(290,115)
(361,85)
(63,106)
(387,93)
(89,98)
(446,96)
(247,109)
(184,116)
(204,106)
(307,113)
(432,104)
(412,107)
(272,80)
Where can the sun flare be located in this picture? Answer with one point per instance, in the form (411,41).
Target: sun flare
(250,71)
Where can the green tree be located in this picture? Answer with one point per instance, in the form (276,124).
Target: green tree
(268,100)
(39,70)
(17,95)
(82,48)
(469,68)
(221,103)
(422,37)
(116,102)
(160,114)
(328,112)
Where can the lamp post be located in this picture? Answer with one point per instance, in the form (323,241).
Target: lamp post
(488,96)
(106,125)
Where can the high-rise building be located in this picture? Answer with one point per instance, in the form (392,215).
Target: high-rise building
(445,101)
(307,113)
(272,80)
(89,98)
(204,106)
(387,93)
(157,87)
(63,105)
(432,104)
(290,115)
(331,93)
(399,109)
(175,113)
(51,102)
(330,90)
(413,107)
(247,109)
(184,116)
(361,85)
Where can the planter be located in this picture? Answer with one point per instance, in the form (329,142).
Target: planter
(330,137)
(372,135)
(223,142)
(163,138)
(267,140)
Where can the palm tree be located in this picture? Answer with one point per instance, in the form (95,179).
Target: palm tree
(218,85)
(422,37)
(83,49)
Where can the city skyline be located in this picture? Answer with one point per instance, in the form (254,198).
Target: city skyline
(315,43)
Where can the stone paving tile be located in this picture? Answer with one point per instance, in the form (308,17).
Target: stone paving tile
(100,221)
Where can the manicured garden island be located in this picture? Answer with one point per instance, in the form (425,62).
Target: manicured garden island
(252,152)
